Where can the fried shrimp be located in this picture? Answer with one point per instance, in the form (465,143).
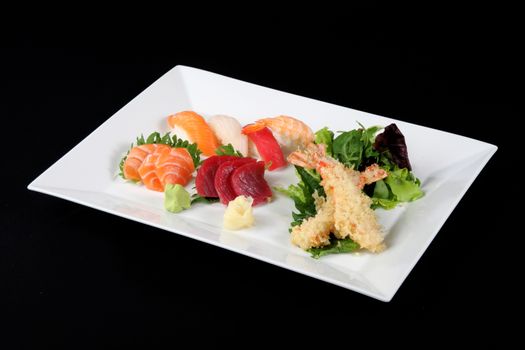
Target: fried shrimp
(346,210)
(315,231)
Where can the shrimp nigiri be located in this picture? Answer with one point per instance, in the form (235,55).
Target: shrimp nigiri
(289,132)
(228,131)
(192,127)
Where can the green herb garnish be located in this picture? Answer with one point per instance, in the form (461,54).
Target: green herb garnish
(228,150)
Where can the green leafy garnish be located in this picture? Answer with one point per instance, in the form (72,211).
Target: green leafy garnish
(166,139)
(383,197)
(354,147)
(228,150)
(303,194)
(326,137)
(399,186)
(357,149)
(197,198)
(336,246)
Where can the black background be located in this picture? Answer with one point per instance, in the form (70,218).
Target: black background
(72,274)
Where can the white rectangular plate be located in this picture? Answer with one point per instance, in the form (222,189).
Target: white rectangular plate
(447,164)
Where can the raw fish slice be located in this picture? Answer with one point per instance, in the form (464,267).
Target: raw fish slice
(148,174)
(229,130)
(205,180)
(135,158)
(174,166)
(223,178)
(266,144)
(248,180)
(252,149)
(191,126)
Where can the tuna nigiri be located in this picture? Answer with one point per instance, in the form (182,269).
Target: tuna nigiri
(289,132)
(229,131)
(267,146)
(192,127)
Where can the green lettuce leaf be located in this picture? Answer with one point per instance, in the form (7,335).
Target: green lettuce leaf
(336,246)
(399,186)
(404,185)
(326,137)
(302,194)
(355,148)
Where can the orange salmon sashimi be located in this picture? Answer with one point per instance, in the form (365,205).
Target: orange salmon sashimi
(191,126)
(174,167)
(135,159)
(158,164)
(148,173)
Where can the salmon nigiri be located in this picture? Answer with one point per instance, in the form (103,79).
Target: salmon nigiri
(228,131)
(192,127)
(289,132)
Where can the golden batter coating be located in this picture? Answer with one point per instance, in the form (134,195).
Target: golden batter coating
(346,210)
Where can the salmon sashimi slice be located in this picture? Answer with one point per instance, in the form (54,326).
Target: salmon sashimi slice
(191,126)
(223,178)
(148,173)
(136,157)
(174,166)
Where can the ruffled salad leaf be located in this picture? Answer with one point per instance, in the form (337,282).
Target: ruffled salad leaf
(336,246)
(355,148)
(303,194)
(399,186)
(166,139)
(326,137)
(392,141)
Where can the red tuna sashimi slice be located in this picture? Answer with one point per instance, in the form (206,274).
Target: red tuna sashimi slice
(266,144)
(248,180)
(223,178)
(205,180)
